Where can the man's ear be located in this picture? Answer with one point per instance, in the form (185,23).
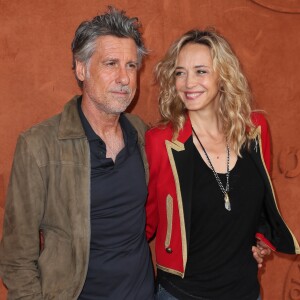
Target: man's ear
(80,70)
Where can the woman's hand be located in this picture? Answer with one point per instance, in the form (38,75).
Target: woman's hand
(260,251)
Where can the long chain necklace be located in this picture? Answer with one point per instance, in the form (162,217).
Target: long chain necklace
(226,189)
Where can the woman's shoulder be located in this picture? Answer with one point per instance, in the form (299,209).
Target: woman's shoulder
(160,132)
(259,119)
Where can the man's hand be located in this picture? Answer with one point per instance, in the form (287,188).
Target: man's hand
(260,251)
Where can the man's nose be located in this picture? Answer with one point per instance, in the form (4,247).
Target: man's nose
(123,76)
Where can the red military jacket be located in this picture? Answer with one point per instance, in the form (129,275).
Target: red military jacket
(169,198)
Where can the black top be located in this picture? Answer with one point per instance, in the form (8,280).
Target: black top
(119,266)
(220,263)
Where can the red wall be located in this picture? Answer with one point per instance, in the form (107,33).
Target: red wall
(36,80)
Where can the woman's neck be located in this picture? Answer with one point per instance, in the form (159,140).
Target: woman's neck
(206,124)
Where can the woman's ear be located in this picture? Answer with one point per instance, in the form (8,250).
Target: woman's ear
(221,86)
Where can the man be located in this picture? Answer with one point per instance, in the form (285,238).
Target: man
(74,218)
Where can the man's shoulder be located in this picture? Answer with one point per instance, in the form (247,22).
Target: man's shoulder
(48,128)
(136,122)
(44,129)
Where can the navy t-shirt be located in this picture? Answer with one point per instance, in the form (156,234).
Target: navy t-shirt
(120,265)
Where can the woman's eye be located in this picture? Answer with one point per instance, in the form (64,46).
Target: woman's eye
(179,73)
(201,72)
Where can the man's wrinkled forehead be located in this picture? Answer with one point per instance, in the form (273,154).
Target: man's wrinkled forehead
(117,48)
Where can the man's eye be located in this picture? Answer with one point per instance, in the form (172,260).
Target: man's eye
(132,66)
(110,63)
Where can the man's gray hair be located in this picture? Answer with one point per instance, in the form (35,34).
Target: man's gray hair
(114,22)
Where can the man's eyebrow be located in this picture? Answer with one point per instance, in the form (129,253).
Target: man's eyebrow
(110,58)
(133,62)
(117,60)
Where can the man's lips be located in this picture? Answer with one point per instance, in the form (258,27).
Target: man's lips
(122,91)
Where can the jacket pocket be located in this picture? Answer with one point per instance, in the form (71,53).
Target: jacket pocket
(169,210)
(56,263)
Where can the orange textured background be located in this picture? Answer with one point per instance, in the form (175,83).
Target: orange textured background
(36,80)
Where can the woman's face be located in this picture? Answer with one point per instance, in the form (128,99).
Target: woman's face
(196,82)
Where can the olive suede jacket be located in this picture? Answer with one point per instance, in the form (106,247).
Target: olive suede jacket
(168,209)
(49,192)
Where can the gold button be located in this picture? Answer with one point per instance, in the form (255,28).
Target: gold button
(169,250)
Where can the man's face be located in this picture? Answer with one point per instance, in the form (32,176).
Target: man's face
(110,76)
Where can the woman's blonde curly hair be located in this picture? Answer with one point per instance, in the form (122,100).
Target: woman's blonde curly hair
(235,97)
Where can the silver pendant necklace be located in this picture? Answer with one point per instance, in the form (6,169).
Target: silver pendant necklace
(226,189)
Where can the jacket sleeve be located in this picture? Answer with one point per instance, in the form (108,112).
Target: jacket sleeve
(20,246)
(259,120)
(151,204)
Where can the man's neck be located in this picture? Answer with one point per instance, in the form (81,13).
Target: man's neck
(107,127)
(101,121)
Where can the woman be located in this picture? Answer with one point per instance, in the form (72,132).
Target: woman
(209,191)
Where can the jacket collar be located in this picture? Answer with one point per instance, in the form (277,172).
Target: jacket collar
(70,126)
(186,131)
